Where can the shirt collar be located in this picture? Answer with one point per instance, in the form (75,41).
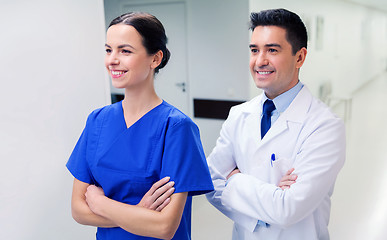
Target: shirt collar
(283,101)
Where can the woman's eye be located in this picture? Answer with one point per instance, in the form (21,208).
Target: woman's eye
(126,51)
(108,50)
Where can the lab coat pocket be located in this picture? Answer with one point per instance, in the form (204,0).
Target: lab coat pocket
(278,169)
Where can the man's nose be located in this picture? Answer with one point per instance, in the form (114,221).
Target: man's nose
(261,60)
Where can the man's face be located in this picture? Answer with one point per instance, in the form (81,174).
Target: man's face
(272,64)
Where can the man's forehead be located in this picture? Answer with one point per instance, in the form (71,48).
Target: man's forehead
(268,35)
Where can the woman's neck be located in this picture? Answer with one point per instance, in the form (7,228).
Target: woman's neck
(137,103)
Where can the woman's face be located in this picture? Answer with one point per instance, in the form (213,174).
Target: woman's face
(127,61)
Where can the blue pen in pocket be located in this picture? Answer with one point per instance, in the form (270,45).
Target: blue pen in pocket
(272,159)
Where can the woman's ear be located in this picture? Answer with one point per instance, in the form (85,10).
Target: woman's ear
(157,58)
(301,55)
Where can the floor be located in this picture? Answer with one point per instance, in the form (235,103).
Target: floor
(359,203)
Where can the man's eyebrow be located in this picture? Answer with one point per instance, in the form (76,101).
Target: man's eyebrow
(266,45)
(273,45)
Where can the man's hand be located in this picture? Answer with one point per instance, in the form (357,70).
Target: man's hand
(235,171)
(287,180)
(158,195)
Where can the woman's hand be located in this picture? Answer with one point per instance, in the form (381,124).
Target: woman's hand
(288,179)
(158,195)
(93,195)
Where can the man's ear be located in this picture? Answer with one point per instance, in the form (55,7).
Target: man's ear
(157,57)
(301,55)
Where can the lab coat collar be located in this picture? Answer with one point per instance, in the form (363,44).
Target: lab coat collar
(297,110)
(295,113)
(300,104)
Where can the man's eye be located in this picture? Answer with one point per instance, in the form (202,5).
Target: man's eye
(272,50)
(253,50)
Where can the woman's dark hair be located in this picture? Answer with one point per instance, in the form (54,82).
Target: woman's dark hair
(296,33)
(151,30)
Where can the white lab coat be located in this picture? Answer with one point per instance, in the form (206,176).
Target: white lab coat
(308,137)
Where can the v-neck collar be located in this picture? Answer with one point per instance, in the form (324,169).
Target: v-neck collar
(138,120)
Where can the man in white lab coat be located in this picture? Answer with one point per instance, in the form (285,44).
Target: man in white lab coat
(248,163)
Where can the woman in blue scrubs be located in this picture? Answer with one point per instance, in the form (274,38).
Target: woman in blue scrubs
(128,146)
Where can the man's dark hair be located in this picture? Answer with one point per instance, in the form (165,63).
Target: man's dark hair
(296,33)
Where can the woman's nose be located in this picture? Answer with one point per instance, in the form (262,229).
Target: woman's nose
(112,59)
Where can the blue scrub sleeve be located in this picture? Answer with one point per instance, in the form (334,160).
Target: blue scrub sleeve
(77,163)
(184,160)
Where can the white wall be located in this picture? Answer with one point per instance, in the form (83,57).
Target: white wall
(52,75)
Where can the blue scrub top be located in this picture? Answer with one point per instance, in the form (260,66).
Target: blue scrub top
(125,162)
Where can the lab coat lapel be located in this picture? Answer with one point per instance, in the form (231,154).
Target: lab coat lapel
(278,127)
(293,116)
(250,128)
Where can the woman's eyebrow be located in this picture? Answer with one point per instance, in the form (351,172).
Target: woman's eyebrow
(120,46)
(125,45)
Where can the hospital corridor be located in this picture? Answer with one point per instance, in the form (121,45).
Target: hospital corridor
(359,209)
(53,75)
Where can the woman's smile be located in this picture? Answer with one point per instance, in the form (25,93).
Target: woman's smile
(117,73)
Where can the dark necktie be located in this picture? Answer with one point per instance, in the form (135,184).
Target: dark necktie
(268,107)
